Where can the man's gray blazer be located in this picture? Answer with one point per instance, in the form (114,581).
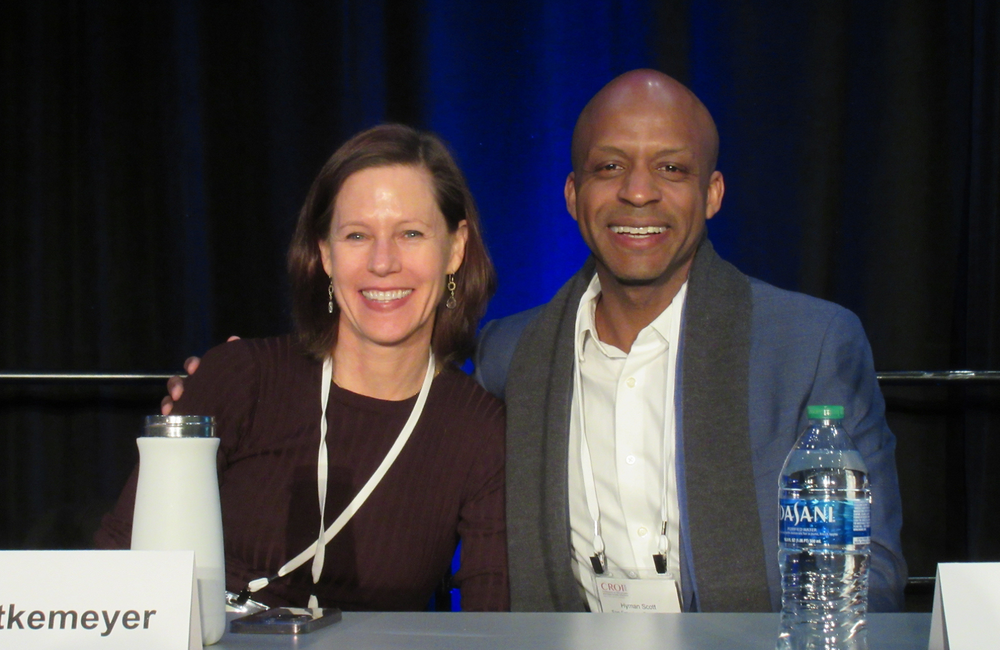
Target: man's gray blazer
(751,359)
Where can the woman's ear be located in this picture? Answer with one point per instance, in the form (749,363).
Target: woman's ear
(459,239)
(326,257)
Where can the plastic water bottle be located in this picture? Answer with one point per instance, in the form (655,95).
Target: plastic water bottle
(177,506)
(824,533)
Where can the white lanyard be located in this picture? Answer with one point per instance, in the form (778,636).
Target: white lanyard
(599,559)
(317,550)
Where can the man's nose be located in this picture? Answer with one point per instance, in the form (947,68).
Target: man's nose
(639,187)
(384,258)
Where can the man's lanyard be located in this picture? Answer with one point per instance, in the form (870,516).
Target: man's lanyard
(317,550)
(599,559)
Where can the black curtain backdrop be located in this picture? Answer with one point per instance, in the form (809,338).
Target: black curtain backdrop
(153,158)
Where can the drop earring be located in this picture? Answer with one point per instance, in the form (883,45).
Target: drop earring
(329,292)
(451,302)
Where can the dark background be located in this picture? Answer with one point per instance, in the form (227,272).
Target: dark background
(154,155)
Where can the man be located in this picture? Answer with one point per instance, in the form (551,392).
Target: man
(652,402)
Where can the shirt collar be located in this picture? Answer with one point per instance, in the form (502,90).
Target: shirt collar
(666,326)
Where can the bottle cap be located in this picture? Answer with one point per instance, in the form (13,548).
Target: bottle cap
(825,412)
(179,426)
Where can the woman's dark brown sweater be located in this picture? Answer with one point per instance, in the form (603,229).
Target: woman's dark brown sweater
(447,483)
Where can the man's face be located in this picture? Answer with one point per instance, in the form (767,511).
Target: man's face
(642,188)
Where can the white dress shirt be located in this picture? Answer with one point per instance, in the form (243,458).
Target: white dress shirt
(628,411)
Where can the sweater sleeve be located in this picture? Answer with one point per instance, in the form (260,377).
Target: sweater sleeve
(223,387)
(482,577)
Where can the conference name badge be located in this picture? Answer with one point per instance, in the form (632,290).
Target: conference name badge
(641,596)
(113,600)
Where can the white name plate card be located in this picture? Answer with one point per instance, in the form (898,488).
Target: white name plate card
(966,612)
(113,600)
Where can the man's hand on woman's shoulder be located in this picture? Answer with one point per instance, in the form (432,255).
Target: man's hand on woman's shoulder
(175,385)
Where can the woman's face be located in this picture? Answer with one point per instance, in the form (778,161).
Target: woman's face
(388,252)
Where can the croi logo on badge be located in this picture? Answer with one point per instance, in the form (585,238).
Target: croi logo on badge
(800,511)
(617,588)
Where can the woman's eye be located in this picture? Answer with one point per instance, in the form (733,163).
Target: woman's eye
(412,234)
(354,236)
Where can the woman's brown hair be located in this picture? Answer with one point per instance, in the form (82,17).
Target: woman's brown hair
(383,146)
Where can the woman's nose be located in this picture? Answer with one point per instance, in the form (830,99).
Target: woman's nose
(384,258)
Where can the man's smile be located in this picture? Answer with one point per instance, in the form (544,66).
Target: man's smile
(638,231)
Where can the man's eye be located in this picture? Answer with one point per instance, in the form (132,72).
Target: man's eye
(412,234)
(609,167)
(673,169)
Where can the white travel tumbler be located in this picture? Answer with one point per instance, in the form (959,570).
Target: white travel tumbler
(177,505)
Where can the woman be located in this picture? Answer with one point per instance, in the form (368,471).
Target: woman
(389,279)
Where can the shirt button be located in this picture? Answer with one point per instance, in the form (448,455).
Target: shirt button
(630,382)
(633,575)
(630,459)
(642,531)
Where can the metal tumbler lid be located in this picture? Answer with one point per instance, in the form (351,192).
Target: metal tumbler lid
(179,426)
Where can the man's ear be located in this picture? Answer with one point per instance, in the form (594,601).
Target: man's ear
(713,197)
(569,191)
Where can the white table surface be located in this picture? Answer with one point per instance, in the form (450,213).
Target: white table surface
(446,631)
